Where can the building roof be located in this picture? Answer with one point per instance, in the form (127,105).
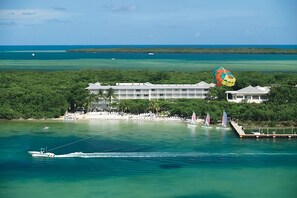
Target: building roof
(252,90)
(147,85)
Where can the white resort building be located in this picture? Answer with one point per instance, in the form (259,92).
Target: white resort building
(248,94)
(154,91)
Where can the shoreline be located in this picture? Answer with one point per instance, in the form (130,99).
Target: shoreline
(119,116)
(107,116)
(71,117)
(99,117)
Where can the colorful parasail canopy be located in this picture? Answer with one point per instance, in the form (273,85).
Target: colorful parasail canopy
(224,77)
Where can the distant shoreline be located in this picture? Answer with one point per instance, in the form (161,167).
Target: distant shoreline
(151,51)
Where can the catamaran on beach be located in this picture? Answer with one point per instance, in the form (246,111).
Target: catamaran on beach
(207,122)
(224,122)
(193,122)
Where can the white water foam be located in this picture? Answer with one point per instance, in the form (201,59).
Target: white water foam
(162,155)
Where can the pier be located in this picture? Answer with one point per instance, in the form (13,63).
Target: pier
(239,130)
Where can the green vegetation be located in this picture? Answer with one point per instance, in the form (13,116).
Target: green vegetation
(271,113)
(281,107)
(32,94)
(190,50)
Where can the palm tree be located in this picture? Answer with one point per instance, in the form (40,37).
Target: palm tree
(110,93)
(100,95)
(154,106)
(124,107)
(89,100)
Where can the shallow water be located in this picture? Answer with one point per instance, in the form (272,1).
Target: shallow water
(151,64)
(142,159)
(48,58)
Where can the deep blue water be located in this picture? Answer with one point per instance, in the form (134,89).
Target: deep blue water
(66,47)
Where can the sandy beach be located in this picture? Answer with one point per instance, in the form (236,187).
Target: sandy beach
(119,116)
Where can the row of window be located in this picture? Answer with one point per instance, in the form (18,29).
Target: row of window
(254,97)
(160,95)
(160,90)
(167,93)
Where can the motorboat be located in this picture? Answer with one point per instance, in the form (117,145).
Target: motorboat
(41,153)
(257,132)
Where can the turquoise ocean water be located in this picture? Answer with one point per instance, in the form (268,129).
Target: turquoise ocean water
(142,159)
(55,58)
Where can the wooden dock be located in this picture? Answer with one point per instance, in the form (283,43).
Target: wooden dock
(238,129)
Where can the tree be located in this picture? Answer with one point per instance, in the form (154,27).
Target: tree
(34,94)
(212,94)
(154,106)
(91,98)
(159,76)
(124,106)
(100,95)
(77,96)
(282,95)
(110,93)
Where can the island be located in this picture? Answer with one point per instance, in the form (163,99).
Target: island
(190,50)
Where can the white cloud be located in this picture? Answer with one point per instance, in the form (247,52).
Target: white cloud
(122,8)
(31,16)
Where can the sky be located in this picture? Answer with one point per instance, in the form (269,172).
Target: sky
(147,22)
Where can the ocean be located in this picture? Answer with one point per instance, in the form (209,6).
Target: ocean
(49,58)
(142,159)
(98,158)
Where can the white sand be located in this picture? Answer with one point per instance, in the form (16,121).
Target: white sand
(119,116)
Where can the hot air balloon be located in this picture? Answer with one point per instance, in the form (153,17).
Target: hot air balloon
(224,77)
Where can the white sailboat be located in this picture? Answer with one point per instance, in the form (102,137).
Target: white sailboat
(193,121)
(207,122)
(224,121)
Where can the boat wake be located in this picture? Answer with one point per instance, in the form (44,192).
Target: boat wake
(127,155)
(163,155)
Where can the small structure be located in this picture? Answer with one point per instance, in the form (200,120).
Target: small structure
(249,94)
(240,132)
